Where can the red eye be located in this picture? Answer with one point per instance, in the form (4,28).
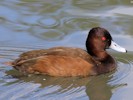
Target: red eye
(103,38)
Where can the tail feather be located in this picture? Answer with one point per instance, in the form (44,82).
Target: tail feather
(8,63)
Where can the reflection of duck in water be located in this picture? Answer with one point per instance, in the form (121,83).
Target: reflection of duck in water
(99,89)
(67,61)
(94,88)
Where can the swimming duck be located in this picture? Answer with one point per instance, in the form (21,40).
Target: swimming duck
(69,61)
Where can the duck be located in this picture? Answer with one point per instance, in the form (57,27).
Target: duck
(72,61)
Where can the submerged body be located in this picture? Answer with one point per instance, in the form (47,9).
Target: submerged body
(68,61)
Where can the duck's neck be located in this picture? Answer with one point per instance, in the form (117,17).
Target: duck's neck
(99,55)
(104,62)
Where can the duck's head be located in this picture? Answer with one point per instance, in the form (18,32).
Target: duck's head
(100,39)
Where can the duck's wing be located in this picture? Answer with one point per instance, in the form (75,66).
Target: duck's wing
(59,51)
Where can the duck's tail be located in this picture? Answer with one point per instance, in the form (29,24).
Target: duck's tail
(8,63)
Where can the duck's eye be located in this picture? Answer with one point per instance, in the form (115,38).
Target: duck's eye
(103,38)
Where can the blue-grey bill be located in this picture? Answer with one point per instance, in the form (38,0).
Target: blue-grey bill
(116,47)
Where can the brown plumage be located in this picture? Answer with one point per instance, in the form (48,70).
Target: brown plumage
(53,61)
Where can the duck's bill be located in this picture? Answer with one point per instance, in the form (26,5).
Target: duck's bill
(116,47)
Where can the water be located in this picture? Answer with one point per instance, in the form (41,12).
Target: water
(35,24)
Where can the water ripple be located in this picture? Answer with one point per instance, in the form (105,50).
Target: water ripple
(17,90)
(49,22)
(123,70)
(48,34)
(79,23)
(14,15)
